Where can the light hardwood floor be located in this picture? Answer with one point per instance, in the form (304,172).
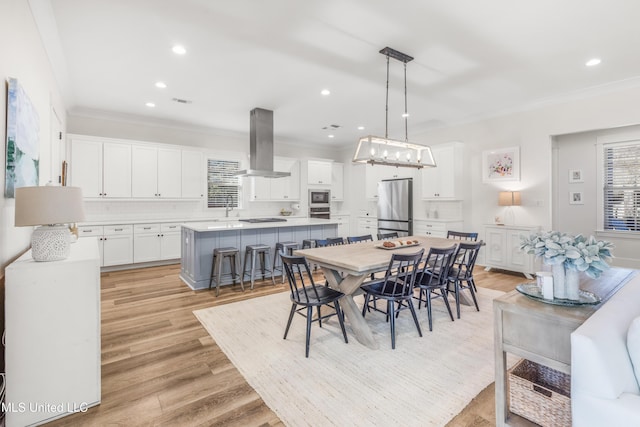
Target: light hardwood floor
(161,367)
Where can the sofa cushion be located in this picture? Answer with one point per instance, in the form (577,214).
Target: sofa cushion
(633,345)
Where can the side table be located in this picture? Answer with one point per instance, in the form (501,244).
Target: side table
(542,332)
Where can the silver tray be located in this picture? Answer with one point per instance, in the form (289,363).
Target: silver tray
(531,290)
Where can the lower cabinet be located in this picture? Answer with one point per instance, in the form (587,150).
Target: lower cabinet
(503,249)
(115,243)
(156,242)
(344,229)
(435,228)
(368,225)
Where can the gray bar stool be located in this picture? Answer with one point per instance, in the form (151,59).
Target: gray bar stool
(282,247)
(219,254)
(264,253)
(308,243)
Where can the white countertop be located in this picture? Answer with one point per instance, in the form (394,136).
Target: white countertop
(177,220)
(239,225)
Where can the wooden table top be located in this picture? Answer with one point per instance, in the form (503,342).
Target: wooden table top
(366,257)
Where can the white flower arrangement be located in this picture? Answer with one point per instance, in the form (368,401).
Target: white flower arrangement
(575,252)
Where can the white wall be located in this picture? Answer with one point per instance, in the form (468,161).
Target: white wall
(533,132)
(24,58)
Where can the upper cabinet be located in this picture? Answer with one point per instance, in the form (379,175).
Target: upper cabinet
(106,168)
(278,189)
(100,169)
(319,172)
(337,182)
(444,181)
(156,172)
(193,181)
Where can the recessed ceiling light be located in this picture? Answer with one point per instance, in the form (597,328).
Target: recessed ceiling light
(325,92)
(592,62)
(360,127)
(161,85)
(331,136)
(405,115)
(150,104)
(179,50)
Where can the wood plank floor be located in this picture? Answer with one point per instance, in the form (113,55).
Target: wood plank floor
(161,367)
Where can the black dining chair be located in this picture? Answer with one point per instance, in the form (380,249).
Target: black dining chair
(356,239)
(460,235)
(307,295)
(329,241)
(385,236)
(396,288)
(434,278)
(461,273)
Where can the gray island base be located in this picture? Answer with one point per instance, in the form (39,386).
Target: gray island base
(199,239)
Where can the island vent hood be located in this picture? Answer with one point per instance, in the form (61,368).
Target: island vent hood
(261,146)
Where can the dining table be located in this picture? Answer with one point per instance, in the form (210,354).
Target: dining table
(347,266)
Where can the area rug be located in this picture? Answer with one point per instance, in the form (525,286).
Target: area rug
(423,382)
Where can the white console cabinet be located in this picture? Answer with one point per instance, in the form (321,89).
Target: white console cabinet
(503,249)
(52,317)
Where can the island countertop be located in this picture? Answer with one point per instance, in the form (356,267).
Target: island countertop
(205,226)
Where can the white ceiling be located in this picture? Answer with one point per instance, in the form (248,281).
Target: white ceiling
(473,59)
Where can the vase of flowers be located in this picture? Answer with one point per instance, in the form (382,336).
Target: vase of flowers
(568,256)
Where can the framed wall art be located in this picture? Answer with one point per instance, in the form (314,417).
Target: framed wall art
(23,140)
(575,175)
(501,165)
(575,198)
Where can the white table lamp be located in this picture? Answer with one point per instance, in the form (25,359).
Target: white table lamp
(52,208)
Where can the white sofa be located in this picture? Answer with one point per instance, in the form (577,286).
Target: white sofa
(604,388)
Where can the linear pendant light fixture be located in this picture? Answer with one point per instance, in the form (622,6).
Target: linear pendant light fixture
(377,150)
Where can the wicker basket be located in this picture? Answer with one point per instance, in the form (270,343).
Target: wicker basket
(540,394)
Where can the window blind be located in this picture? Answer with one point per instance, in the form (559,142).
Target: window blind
(622,186)
(222,185)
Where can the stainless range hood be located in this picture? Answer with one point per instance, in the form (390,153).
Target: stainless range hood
(261,146)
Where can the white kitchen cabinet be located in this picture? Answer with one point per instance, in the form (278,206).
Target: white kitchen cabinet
(52,326)
(337,182)
(444,182)
(100,169)
(344,228)
(319,172)
(115,243)
(435,228)
(503,251)
(368,225)
(278,189)
(155,242)
(156,172)
(193,180)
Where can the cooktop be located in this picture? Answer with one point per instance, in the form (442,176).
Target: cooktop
(258,220)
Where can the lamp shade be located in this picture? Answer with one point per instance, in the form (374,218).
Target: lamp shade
(47,205)
(509,198)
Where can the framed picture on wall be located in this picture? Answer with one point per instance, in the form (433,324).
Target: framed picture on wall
(575,198)
(501,165)
(575,175)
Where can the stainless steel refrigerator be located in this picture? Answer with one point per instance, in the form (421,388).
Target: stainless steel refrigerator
(395,206)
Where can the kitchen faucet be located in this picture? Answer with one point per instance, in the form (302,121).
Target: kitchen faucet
(227,205)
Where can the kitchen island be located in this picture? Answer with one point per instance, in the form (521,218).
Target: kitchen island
(199,239)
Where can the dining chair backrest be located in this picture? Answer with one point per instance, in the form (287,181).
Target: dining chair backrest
(459,235)
(303,288)
(356,239)
(400,276)
(465,260)
(331,241)
(392,235)
(437,265)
